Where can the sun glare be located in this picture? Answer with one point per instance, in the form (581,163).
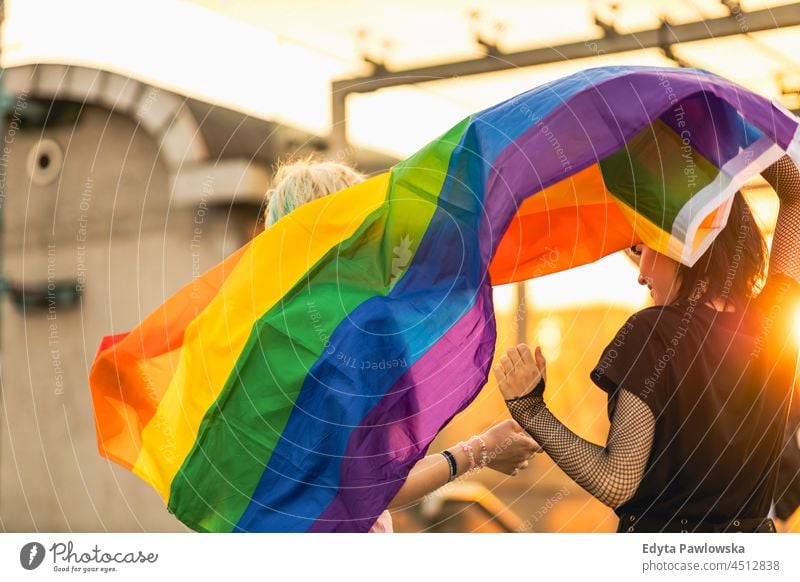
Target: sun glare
(796,325)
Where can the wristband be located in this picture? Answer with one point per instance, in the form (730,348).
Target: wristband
(451,462)
(538,390)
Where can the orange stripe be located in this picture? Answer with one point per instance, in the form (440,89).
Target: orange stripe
(144,362)
(558,228)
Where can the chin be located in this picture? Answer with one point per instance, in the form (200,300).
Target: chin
(664,300)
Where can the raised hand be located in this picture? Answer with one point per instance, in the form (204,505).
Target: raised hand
(519,371)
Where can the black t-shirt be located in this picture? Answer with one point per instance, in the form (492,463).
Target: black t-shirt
(719,386)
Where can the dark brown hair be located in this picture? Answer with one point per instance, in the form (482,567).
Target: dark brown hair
(733,267)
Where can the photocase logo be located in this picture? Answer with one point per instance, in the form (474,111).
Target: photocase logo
(402,256)
(31,555)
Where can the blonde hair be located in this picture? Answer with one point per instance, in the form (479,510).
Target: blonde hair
(305,180)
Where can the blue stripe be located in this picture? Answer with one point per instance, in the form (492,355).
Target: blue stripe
(440,286)
(502,124)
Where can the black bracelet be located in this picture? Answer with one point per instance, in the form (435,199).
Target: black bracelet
(451,462)
(537,392)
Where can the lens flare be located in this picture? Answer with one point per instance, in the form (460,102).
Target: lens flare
(796,325)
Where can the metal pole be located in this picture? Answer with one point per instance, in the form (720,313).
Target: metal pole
(5,106)
(521,319)
(665,35)
(338,138)
(3,177)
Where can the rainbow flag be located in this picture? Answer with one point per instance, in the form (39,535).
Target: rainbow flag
(292,387)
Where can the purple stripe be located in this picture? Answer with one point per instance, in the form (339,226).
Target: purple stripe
(399,429)
(597,122)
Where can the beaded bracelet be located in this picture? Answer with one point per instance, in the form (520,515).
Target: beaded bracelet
(484,452)
(467,448)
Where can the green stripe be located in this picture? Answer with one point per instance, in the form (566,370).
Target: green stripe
(656,174)
(240,432)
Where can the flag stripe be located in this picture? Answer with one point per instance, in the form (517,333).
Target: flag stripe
(379,453)
(280,355)
(214,340)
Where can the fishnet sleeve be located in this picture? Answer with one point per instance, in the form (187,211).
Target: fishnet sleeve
(612,473)
(784,177)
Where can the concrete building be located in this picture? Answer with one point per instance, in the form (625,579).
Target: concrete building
(116,194)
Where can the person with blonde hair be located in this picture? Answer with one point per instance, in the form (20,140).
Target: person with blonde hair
(302,181)
(505,447)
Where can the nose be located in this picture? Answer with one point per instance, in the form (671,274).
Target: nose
(642,280)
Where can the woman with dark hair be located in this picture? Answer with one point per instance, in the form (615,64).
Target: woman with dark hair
(699,386)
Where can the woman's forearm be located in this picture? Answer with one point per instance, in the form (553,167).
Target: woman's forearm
(432,472)
(505,447)
(784,178)
(611,473)
(786,242)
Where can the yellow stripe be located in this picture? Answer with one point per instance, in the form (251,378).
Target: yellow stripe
(700,236)
(277,259)
(651,234)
